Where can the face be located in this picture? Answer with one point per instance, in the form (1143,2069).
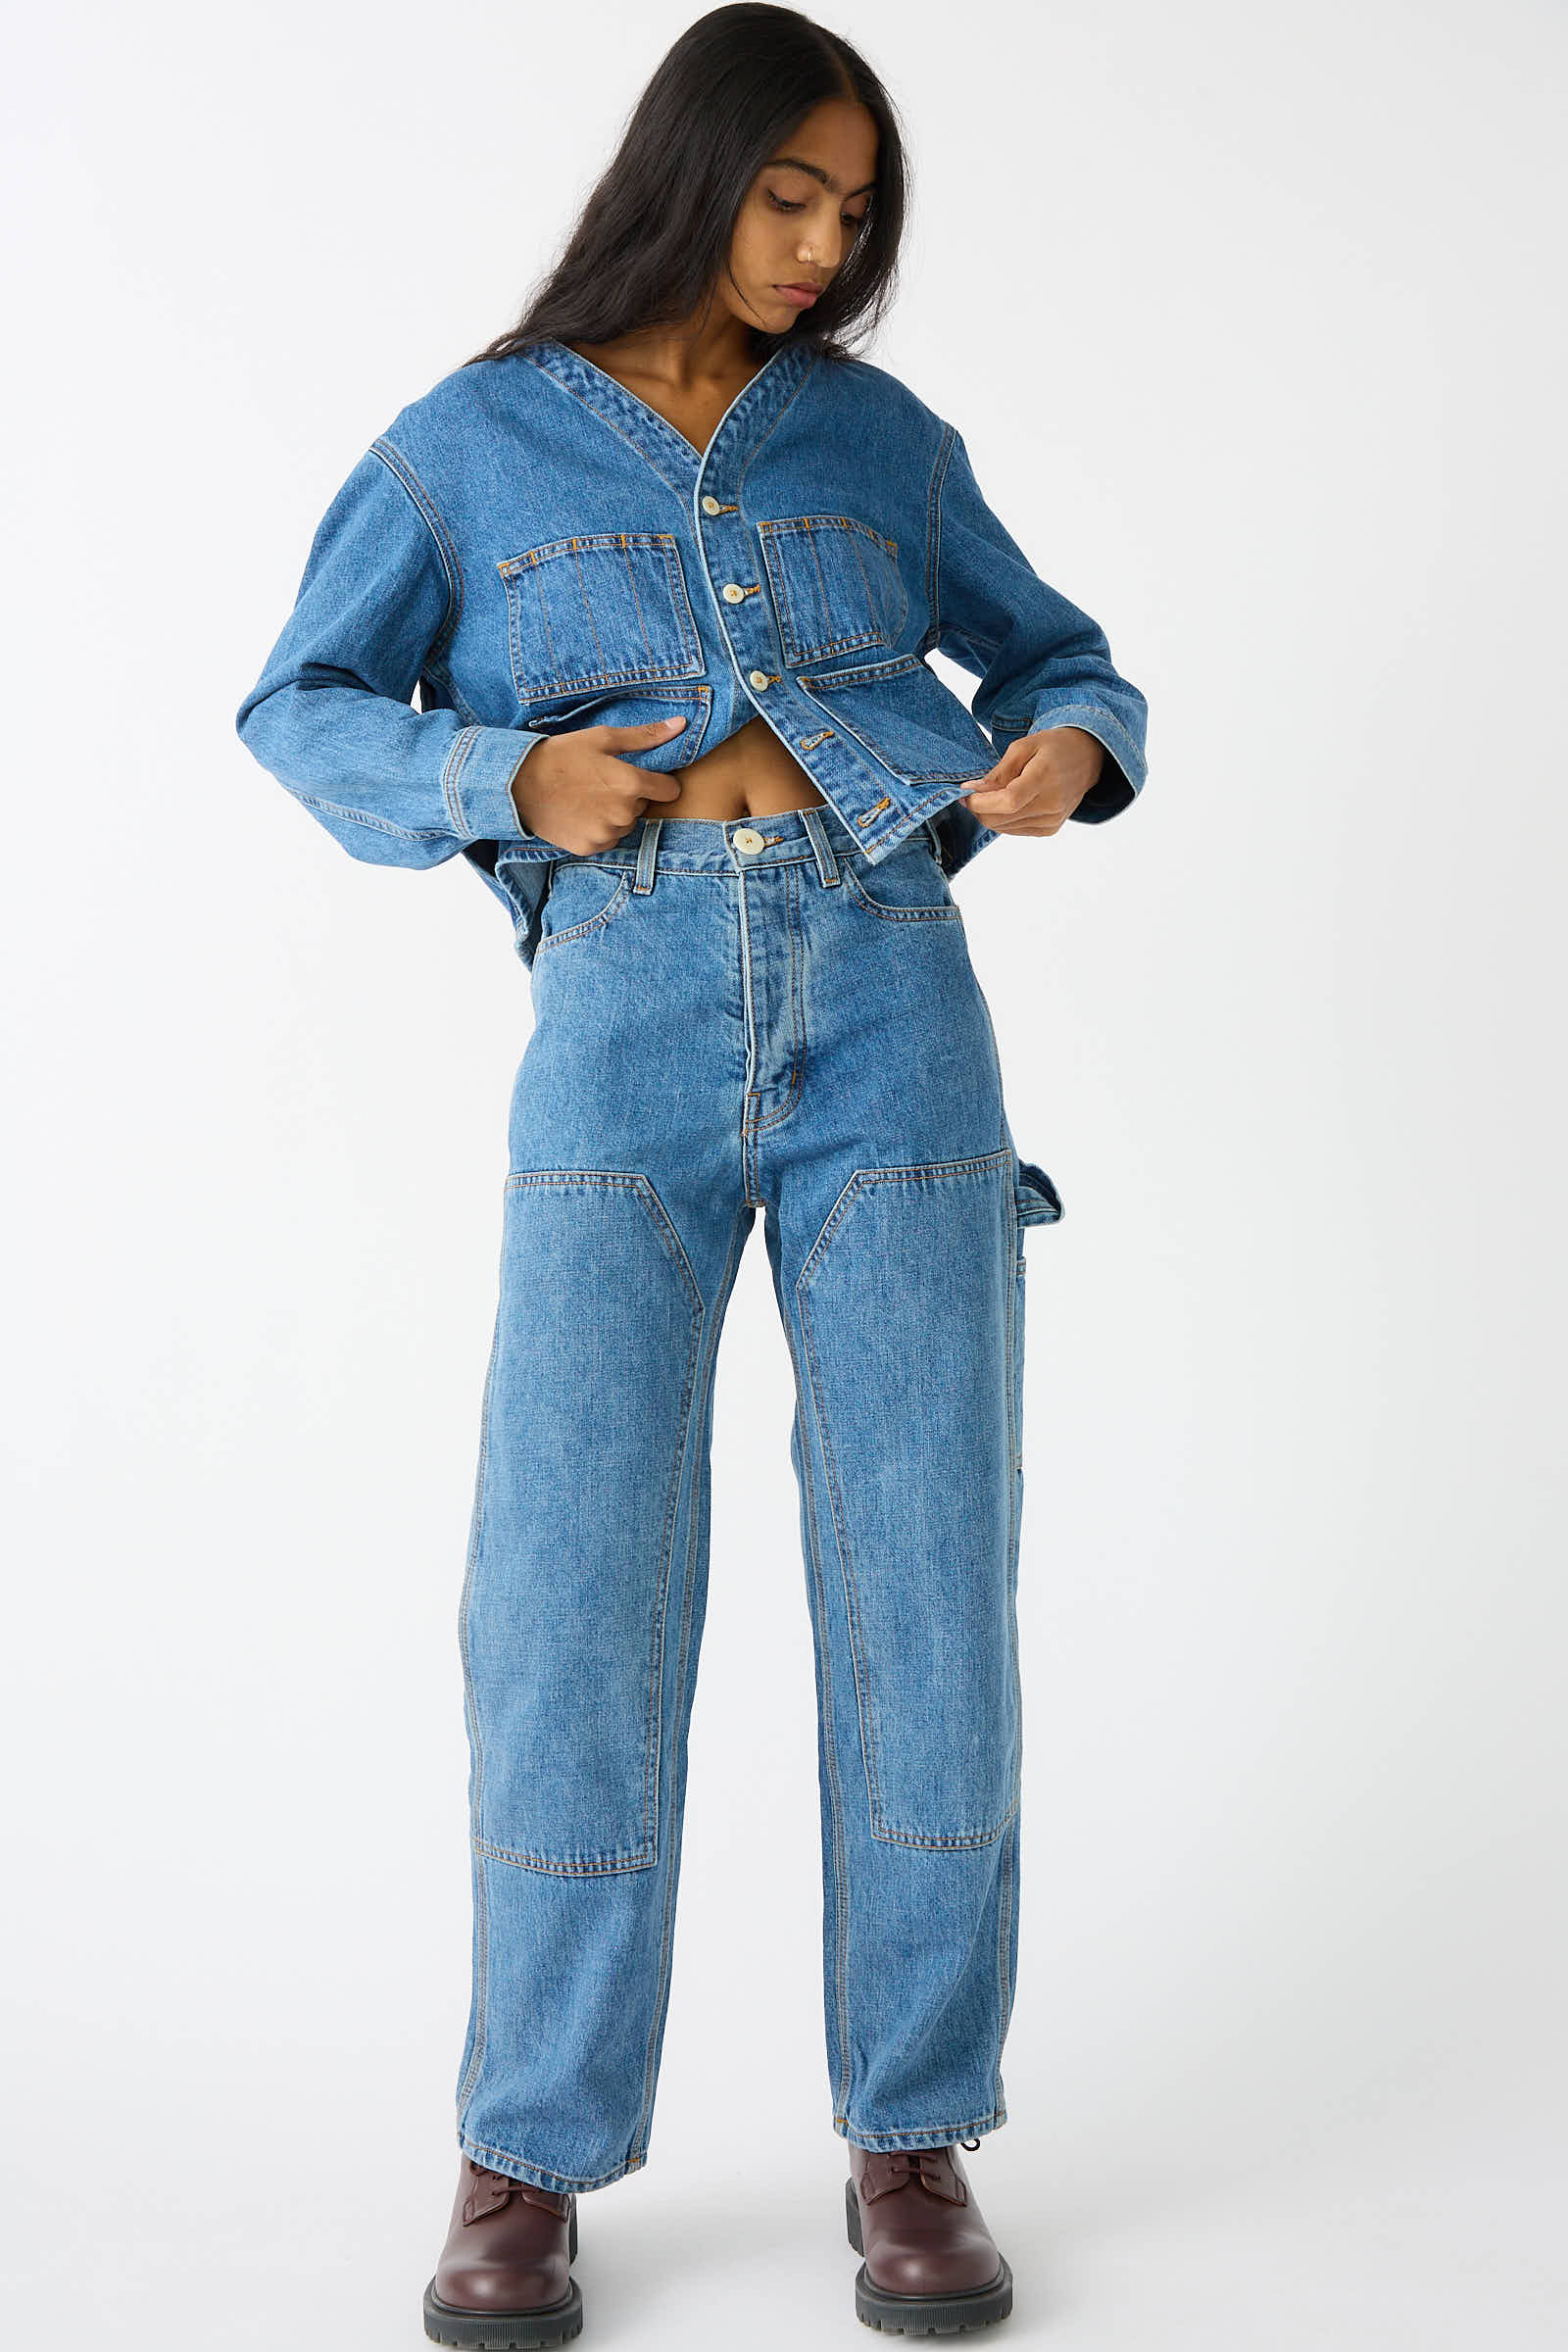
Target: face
(802,214)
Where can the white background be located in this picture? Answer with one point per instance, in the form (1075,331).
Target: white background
(1249,316)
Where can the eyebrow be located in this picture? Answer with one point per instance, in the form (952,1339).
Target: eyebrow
(798,164)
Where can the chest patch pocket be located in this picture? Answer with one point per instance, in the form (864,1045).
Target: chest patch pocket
(836,585)
(606,609)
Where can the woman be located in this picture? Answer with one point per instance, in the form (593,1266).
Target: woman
(663,562)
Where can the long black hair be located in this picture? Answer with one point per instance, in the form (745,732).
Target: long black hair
(654,237)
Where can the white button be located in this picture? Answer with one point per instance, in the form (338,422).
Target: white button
(733,591)
(758,677)
(748,840)
(709,506)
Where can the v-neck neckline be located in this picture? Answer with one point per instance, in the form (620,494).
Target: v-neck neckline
(698,456)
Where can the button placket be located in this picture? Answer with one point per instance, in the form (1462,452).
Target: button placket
(744,656)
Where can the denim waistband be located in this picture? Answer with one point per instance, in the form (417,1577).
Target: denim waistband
(708,845)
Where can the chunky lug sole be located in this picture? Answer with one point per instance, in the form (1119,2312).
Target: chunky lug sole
(507,2331)
(923,2315)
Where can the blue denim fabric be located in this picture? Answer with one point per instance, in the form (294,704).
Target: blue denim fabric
(733,1016)
(533,549)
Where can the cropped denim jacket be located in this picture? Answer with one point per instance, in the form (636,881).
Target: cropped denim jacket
(533,549)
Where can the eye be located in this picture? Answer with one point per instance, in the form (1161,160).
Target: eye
(852,222)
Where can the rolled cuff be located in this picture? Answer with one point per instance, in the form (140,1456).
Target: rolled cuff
(1120,779)
(480,774)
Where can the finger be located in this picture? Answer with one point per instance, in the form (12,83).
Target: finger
(1010,765)
(1018,775)
(638,738)
(996,799)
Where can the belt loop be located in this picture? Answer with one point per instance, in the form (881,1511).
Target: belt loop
(930,824)
(827,868)
(648,852)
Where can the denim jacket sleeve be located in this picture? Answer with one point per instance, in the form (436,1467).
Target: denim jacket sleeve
(331,715)
(1041,661)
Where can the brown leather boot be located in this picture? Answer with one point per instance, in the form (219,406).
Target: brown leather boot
(931,2265)
(504,2277)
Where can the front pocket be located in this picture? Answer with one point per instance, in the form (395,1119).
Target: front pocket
(908,1325)
(605,609)
(582,897)
(907,886)
(836,585)
(907,719)
(565,1618)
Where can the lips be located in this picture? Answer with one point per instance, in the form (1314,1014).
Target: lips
(800,294)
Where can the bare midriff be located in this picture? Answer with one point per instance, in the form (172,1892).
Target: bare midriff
(748,774)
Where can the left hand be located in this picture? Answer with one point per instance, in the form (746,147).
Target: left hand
(1038,782)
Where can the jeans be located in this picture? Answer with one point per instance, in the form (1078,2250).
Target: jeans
(731,1017)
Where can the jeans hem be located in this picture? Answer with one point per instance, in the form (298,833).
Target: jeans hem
(930,2135)
(539,2175)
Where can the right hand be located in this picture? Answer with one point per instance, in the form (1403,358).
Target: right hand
(574,789)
